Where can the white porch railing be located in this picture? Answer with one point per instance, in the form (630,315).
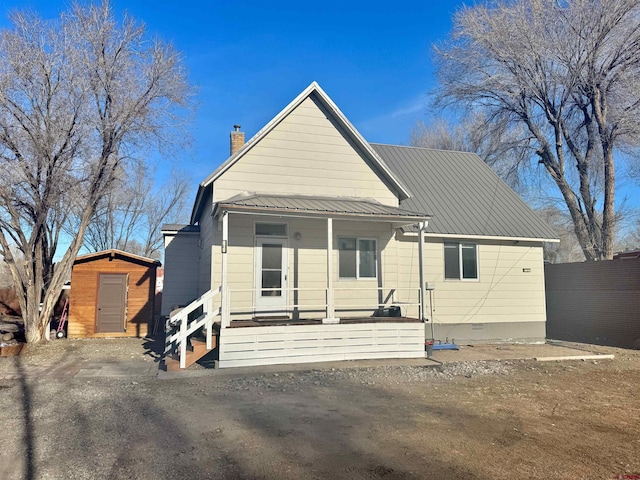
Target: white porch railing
(341,305)
(178,339)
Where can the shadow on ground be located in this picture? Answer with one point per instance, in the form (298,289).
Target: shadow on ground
(154,346)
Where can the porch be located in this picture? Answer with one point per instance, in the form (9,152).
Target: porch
(304,280)
(290,334)
(283,338)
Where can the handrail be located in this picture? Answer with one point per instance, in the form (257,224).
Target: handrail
(292,306)
(186,328)
(316,289)
(307,305)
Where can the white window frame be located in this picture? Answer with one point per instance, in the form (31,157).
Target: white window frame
(460,268)
(375,266)
(256,235)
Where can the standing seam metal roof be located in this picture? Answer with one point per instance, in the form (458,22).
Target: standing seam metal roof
(315,204)
(462,193)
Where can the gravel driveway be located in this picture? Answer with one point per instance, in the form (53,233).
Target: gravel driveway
(472,419)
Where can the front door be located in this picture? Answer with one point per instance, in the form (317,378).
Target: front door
(271,277)
(112,303)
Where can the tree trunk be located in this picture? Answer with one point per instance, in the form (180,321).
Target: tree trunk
(31,317)
(608,215)
(553,163)
(600,108)
(581,230)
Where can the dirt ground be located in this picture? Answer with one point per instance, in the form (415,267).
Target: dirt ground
(466,419)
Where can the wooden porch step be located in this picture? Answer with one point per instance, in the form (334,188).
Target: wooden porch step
(197,350)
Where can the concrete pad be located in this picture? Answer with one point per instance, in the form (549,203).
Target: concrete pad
(573,357)
(506,352)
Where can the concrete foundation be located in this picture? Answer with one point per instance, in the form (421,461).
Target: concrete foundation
(498,332)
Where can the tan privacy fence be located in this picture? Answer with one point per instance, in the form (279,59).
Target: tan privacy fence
(595,302)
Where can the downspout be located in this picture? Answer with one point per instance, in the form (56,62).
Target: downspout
(421,227)
(224,248)
(423,294)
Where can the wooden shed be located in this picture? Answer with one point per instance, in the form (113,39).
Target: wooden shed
(112,295)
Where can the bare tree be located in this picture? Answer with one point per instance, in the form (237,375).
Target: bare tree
(78,97)
(568,249)
(566,72)
(130,215)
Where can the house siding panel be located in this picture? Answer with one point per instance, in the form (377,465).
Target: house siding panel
(207,238)
(504,293)
(307,265)
(305,154)
(181,270)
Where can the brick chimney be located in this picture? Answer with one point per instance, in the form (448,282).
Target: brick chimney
(237,139)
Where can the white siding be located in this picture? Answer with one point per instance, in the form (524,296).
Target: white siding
(180,270)
(503,292)
(304,154)
(308,266)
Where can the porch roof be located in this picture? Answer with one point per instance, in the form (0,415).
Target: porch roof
(301,205)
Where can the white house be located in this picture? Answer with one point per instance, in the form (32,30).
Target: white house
(309,243)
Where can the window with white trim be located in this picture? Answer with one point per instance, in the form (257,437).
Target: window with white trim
(271,229)
(357,257)
(460,261)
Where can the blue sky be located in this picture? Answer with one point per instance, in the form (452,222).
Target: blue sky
(250,59)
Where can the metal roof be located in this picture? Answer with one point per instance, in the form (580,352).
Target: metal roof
(315,205)
(113,252)
(462,193)
(179,228)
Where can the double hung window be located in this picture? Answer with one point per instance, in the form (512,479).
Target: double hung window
(358,257)
(460,261)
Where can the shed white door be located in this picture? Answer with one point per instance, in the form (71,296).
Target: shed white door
(271,276)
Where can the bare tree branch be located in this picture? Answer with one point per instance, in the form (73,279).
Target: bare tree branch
(566,73)
(78,96)
(129,216)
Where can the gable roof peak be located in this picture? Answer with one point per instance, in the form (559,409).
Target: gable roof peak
(313,89)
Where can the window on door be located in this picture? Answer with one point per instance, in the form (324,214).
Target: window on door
(358,258)
(271,270)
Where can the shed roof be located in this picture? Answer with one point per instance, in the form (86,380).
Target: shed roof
(322,206)
(113,252)
(462,193)
(173,228)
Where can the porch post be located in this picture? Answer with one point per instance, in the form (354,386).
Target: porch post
(331,312)
(224,248)
(421,227)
